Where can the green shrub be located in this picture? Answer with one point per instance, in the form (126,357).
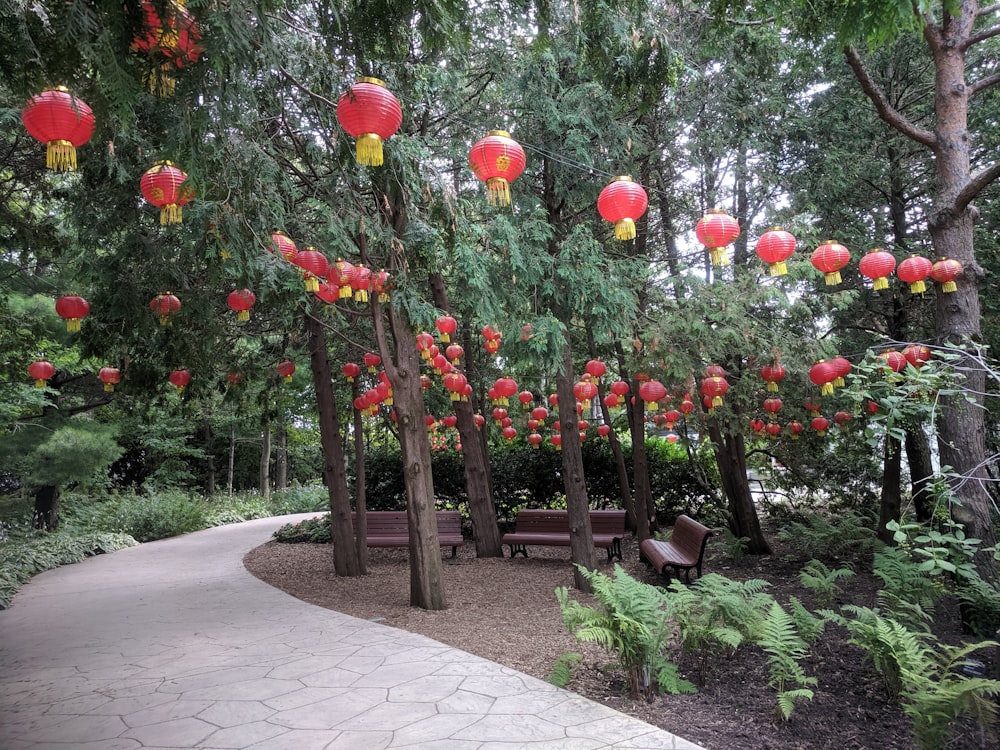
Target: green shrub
(299,498)
(785,648)
(315,530)
(148,518)
(822,581)
(819,537)
(21,559)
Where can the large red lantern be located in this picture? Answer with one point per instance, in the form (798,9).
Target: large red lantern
(179,379)
(823,373)
(505,388)
(595,368)
(916,354)
(715,230)
(944,273)
(446,326)
(72,309)
(651,392)
(455,382)
(622,202)
(283,244)
(714,388)
(424,343)
(371,360)
(41,370)
(60,121)
(341,273)
(584,391)
(772,405)
(454,353)
(110,376)
(820,424)
(830,258)
(170,42)
(877,265)
(619,388)
(361,283)
(240,301)
(540,413)
(351,371)
(913,271)
(497,160)
(535,439)
(370,114)
(893,360)
(842,366)
(525,397)
(772,374)
(162,185)
(313,264)
(774,247)
(165,306)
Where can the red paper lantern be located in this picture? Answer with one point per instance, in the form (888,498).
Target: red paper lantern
(535,439)
(170,42)
(622,202)
(499,413)
(820,424)
(162,185)
(110,376)
(313,264)
(492,345)
(773,429)
(455,382)
(361,283)
(812,407)
(509,433)
(830,258)
(371,360)
(715,230)
(340,272)
(370,114)
(944,273)
(842,418)
(60,121)
(440,364)
(823,374)
(327,292)
(893,360)
(774,247)
(842,366)
(651,392)
(603,430)
(179,379)
(714,388)
(595,368)
(165,306)
(449,420)
(72,309)
(446,326)
(41,370)
(497,160)
(556,440)
(686,406)
(917,354)
(479,420)
(584,390)
(240,301)
(795,428)
(715,371)
(283,245)
(877,265)
(913,271)
(772,374)
(424,343)
(612,401)
(286,369)
(381,281)
(772,405)
(757,425)
(540,413)
(672,417)
(619,388)
(351,370)
(554,400)
(454,352)
(525,397)
(505,388)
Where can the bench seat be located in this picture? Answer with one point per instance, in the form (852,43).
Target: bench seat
(390,528)
(550,528)
(683,551)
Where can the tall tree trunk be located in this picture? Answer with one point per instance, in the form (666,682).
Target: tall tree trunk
(918,458)
(360,483)
(46,515)
(281,454)
(265,459)
(345,558)
(645,508)
(581,536)
(891,500)
(232,460)
(209,443)
(730,455)
(478,488)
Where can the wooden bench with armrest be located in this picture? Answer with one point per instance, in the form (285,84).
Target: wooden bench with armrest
(389,528)
(684,550)
(550,528)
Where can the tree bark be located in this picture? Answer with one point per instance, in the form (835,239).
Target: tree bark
(46,515)
(209,439)
(730,455)
(360,484)
(345,558)
(577,503)
(918,458)
(265,459)
(891,500)
(645,507)
(281,455)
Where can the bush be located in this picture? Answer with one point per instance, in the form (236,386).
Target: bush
(315,530)
(160,516)
(299,498)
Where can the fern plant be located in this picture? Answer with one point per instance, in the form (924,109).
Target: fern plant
(904,580)
(631,625)
(820,537)
(822,581)
(780,639)
(735,546)
(562,670)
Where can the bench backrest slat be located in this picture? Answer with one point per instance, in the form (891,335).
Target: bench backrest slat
(689,535)
(394,522)
(547,521)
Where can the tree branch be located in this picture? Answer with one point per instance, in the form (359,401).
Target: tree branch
(977,181)
(886,111)
(987,10)
(981,36)
(983,83)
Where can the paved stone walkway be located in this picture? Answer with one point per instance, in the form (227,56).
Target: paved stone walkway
(174,645)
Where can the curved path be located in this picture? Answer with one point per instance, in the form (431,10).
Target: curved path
(173,644)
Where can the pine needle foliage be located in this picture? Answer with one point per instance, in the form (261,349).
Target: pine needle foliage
(822,581)
(631,625)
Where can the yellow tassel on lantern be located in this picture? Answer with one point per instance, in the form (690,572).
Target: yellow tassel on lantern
(716,401)
(497,191)
(160,81)
(832,279)
(109,387)
(625,229)
(718,256)
(772,386)
(171,213)
(287,378)
(73,325)
(779,268)
(880,283)
(383,296)
(826,389)
(225,254)
(243,316)
(839,382)
(361,296)
(345,292)
(918,287)
(949,286)
(455,396)
(312,283)
(369,150)
(60,156)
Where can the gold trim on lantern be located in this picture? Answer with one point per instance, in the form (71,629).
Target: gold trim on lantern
(171,213)
(371,79)
(625,229)
(368,150)
(880,283)
(60,155)
(503,133)
(498,191)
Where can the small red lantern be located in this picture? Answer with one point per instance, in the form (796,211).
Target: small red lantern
(340,272)
(757,425)
(773,429)
(455,383)
(41,371)
(823,374)
(554,400)
(612,401)
(714,388)
(525,397)
(371,360)
(72,309)
(820,424)
(351,371)
(774,247)
(424,343)
(842,366)
(505,388)
(812,407)
(917,354)
(479,420)
(283,244)
(619,388)
(715,230)
(454,352)
(877,265)
(715,371)
(60,121)
(170,43)
(370,114)
(361,283)
(449,420)
(944,273)
(772,405)
(534,439)
(842,418)
(651,392)
(540,413)
(872,407)
(240,301)
(446,326)
(440,364)
(893,360)
(603,430)
(497,160)
(499,413)
(381,282)
(110,376)
(584,390)
(328,293)
(556,440)
(830,258)
(179,379)
(509,433)
(313,264)
(595,368)
(165,306)
(795,428)
(622,202)
(772,374)
(492,345)
(686,405)
(162,185)
(672,417)
(286,369)
(913,271)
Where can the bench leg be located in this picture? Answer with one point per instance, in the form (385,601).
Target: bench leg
(518,548)
(454,551)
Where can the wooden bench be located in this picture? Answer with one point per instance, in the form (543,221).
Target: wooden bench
(389,528)
(683,551)
(550,528)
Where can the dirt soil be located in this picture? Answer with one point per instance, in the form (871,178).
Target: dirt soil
(504,610)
